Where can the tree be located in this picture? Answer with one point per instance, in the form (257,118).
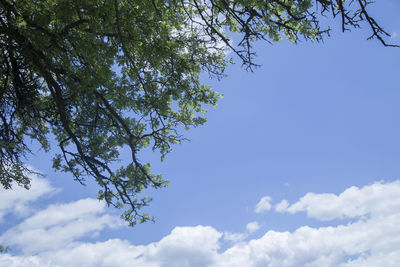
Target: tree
(104,76)
(4,249)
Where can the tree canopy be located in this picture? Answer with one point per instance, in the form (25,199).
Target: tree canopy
(104,76)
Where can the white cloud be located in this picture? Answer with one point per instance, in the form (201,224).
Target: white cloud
(59,225)
(234,237)
(282,206)
(251,227)
(185,246)
(15,200)
(372,239)
(113,252)
(263,205)
(375,200)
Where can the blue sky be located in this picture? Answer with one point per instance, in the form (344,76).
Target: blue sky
(317,125)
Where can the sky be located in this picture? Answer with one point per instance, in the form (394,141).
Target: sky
(297,166)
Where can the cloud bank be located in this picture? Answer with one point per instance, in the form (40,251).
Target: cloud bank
(53,236)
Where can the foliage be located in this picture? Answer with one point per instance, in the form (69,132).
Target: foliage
(4,249)
(104,76)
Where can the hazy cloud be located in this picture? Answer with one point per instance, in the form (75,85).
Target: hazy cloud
(59,225)
(16,200)
(234,237)
(252,227)
(263,205)
(282,206)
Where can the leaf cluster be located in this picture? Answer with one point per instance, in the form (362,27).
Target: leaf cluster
(99,77)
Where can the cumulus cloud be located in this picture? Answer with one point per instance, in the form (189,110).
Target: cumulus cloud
(372,239)
(375,200)
(263,205)
(358,244)
(184,246)
(16,200)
